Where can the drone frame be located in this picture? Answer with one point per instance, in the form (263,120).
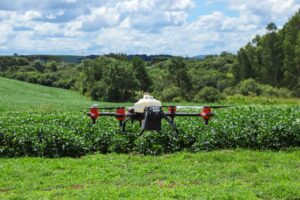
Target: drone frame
(150,120)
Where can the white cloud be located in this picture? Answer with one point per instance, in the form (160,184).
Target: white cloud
(135,26)
(129,6)
(55,15)
(99,18)
(125,23)
(70,1)
(147,14)
(176,17)
(5,30)
(30,15)
(182,5)
(263,11)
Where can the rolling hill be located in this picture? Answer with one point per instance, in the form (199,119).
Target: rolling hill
(18,95)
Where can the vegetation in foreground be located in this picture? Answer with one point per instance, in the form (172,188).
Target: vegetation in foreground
(58,134)
(45,131)
(238,174)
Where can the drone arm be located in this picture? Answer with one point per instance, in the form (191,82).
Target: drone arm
(94,114)
(205,116)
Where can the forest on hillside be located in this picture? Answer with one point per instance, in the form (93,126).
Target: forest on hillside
(268,66)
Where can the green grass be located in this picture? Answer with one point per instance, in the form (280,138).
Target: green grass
(238,174)
(21,96)
(243,100)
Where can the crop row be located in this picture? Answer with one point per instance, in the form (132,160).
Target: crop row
(71,133)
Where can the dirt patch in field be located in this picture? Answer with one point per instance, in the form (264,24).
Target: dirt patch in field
(76,187)
(4,190)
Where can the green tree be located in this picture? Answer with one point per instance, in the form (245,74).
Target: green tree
(52,66)
(119,83)
(22,61)
(140,74)
(108,79)
(39,66)
(246,56)
(296,69)
(249,87)
(178,73)
(289,62)
(271,27)
(92,72)
(271,55)
(208,94)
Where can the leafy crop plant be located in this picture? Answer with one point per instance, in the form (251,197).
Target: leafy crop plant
(60,134)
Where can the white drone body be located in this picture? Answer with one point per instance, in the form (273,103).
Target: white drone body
(146,101)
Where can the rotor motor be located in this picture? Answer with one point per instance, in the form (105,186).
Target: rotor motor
(206,114)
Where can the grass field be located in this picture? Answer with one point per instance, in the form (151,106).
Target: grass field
(224,174)
(22,96)
(238,174)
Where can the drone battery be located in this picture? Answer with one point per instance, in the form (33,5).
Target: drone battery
(152,121)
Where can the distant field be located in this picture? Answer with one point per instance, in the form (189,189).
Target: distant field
(21,96)
(242,100)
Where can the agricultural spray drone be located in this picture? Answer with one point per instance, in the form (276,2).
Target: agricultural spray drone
(149,113)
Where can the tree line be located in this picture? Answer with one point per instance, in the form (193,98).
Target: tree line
(273,58)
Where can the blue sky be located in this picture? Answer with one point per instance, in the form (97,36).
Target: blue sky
(177,27)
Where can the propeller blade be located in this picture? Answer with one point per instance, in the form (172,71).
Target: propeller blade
(199,107)
(217,107)
(107,108)
(189,107)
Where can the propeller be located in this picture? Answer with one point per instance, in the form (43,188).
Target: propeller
(106,107)
(198,107)
(217,107)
